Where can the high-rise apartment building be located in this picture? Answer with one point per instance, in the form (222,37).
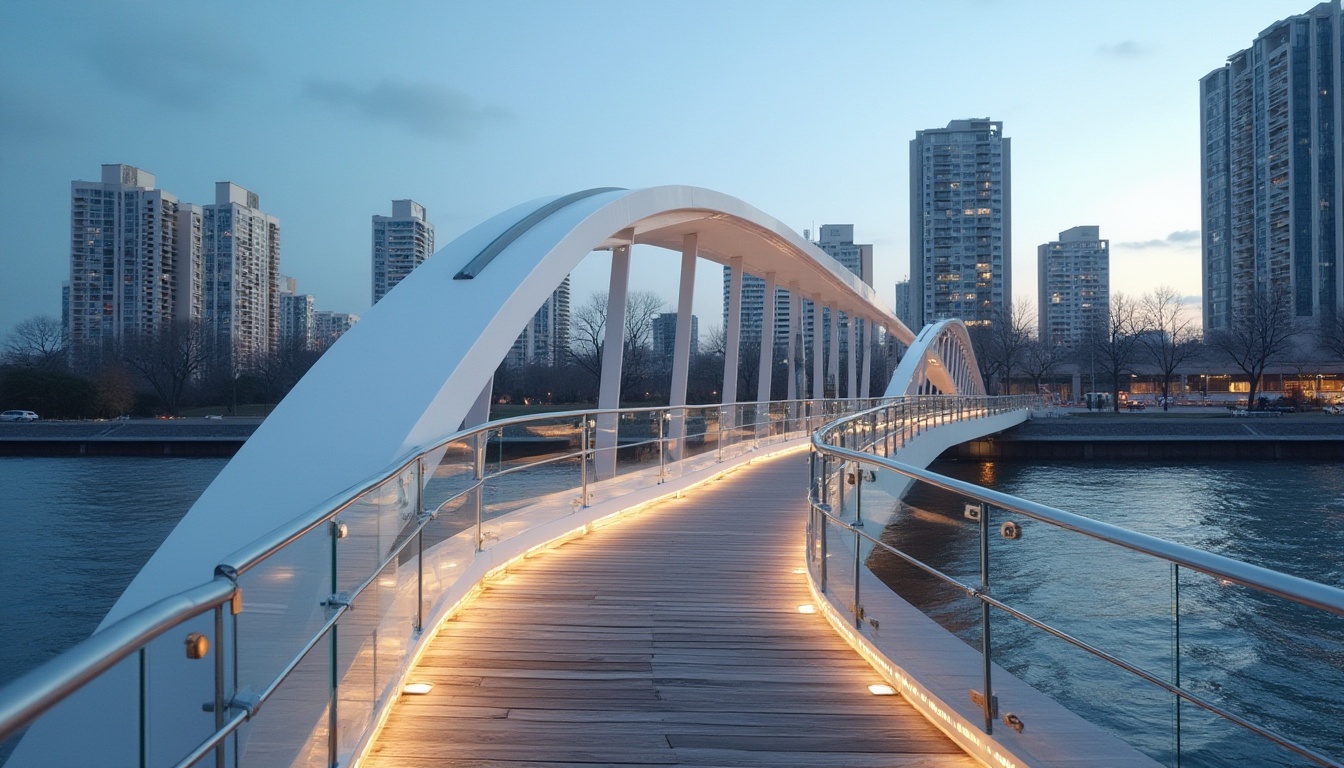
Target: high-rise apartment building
(241,258)
(1073,279)
(903,305)
(135,260)
(837,241)
(1271,171)
(297,322)
(665,338)
(545,339)
(330,326)
(401,242)
(960,222)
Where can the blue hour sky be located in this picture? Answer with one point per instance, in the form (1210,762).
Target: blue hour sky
(805,110)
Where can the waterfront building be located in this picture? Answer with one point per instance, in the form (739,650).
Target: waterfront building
(1271,171)
(1073,285)
(903,305)
(135,260)
(545,338)
(329,326)
(665,337)
(297,321)
(241,258)
(401,242)
(960,222)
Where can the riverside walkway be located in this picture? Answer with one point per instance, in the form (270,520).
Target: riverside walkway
(671,638)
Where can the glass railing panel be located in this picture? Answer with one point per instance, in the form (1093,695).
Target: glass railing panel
(531,491)
(450,471)
(838,564)
(292,729)
(107,730)
(1274,662)
(285,602)
(371,525)
(178,716)
(373,637)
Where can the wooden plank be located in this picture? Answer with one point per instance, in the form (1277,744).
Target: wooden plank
(672,638)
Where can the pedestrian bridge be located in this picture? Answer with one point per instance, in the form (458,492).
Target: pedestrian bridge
(630,595)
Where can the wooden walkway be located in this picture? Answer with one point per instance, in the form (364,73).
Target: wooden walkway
(671,638)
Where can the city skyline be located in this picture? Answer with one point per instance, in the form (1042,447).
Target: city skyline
(344,125)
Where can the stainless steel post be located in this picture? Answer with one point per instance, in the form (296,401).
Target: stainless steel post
(583,462)
(662,460)
(858,610)
(219,683)
(482,438)
(333,731)
(420,546)
(858,495)
(985,645)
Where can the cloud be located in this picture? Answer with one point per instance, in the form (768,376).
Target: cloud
(427,109)
(188,74)
(1185,239)
(1125,49)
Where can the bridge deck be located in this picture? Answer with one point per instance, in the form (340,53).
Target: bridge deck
(672,638)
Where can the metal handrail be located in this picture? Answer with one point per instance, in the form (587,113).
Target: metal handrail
(26,698)
(1292,588)
(41,688)
(1286,586)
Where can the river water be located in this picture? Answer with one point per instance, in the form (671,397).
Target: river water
(1262,657)
(77,530)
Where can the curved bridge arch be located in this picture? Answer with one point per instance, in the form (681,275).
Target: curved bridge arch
(941,361)
(412,368)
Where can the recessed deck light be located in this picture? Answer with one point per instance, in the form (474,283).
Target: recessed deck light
(881,689)
(417,689)
(807,608)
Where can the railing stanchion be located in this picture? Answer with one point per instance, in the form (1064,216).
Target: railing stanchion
(420,546)
(985,645)
(858,609)
(583,462)
(333,731)
(858,495)
(482,438)
(662,459)
(219,683)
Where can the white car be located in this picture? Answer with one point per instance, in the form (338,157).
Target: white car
(18,416)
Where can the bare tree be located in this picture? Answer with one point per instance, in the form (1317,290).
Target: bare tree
(588,332)
(1258,336)
(1117,345)
(168,360)
(1171,339)
(1040,357)
(38,342)
(1000,344)
(1331,336)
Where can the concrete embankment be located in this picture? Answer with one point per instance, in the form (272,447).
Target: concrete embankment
(1171,436)
(148,437)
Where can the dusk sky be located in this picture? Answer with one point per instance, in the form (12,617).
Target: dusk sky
(805,110)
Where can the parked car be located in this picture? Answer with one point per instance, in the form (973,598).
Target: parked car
(19,416)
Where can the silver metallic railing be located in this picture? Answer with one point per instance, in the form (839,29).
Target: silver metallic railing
(327,610)
(849,452)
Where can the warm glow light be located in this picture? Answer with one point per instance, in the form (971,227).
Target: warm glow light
(800,570)
(881,689)
(807,608)
(417,689)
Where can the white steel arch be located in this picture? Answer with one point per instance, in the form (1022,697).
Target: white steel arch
(940,361)
(411,369)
